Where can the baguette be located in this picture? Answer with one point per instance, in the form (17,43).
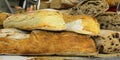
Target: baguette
(47,19)
(47,43)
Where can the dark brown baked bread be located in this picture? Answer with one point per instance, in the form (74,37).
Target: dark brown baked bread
(109,21)
(45,42)
(108,41)
(90,7)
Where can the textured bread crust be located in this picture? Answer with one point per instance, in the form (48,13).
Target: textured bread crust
(89,7)
(113,2)
(109,21)
(3,16)
(88,25)
(45,42)
(108,41)
(14,34)
(46,19)
(60,4)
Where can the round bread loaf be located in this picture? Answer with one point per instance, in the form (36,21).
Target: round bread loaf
(90,7)
(109,21)
(108,41)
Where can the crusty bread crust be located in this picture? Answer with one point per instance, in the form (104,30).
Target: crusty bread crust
(47,19)
(88,23)
(3,16)
(45,42)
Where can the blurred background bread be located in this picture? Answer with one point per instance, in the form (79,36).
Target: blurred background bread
(89,7)
(113,2)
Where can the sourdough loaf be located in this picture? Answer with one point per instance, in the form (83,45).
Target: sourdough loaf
(47,19)
(89,7)
(108,41)
(47,43)
(109,21)
(82,24)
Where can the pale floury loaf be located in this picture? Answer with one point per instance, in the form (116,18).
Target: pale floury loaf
(47,19)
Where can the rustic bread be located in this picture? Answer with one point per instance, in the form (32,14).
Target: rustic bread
(3,16)
(109,21)
(12,33)
(89,7)
(108,41)
(82,24)
(44,4)
(47,43)
(47,19)
(60,4)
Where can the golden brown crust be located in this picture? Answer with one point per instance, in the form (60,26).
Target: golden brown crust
(89,23)
(47,19)
(42,42)
(3,16)
(113,2)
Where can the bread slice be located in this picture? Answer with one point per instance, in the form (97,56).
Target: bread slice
(108,41)
(3,16)
(47,43)
(109,21)
(82,24)
(47,19)
(89,7)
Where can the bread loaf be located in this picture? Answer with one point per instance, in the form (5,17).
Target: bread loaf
(47,43)
(82,24)
(60,4)
(89,7)
(47,19)
(3,16)
(109,21)
(108,41)
(12,33)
